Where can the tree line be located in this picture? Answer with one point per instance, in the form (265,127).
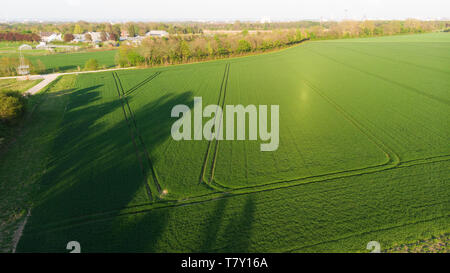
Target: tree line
(192,48)
(17,36)
(184,49)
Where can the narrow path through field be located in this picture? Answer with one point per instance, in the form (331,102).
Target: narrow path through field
(48,78)
(38,87)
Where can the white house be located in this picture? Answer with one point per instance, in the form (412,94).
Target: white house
(96,36)
(78,38)
(48,38)
(133,40)
(157,33)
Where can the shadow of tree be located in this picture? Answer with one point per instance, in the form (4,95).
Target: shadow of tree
(93,166)
(156,125)
(212,227)
(238,230)
(93,169)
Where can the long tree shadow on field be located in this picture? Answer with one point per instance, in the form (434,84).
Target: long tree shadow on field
(212,227)
(93,166)
(238,231)
(235,236)
(156,125)
(226,230)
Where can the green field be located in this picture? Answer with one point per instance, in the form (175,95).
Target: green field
(66,62)
(363,156)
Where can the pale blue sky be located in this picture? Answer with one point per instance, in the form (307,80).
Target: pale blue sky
(276,10)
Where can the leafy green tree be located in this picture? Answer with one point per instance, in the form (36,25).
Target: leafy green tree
(185,51)
(298,35)
(121,56)
(91,64)
(116,31)
(77,29)
(12,106)
(131,30)
(244,46)
(134,59)
(378,31)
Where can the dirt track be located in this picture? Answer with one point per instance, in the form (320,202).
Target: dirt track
(48,78)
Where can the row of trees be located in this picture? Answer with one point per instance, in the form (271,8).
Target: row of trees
(190,48)
(182,49)
(352,29)
(17,36)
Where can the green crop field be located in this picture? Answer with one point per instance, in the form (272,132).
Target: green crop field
(66,62)
(363,156)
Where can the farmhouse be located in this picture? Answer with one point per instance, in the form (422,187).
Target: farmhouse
(50,37)
(132,40)
(96,36)
(78,38)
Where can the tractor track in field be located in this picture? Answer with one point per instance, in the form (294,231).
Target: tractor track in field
(144,82)
(393,159)
(131,122)
(220,101)
(216,148)
(392,163)
(147,207)
(404,86)
(149,160)
(423,67)
(130,130)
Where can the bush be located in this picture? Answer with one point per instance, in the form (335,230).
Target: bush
(12,106)
(244,46)
(91,64)
(127,56)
